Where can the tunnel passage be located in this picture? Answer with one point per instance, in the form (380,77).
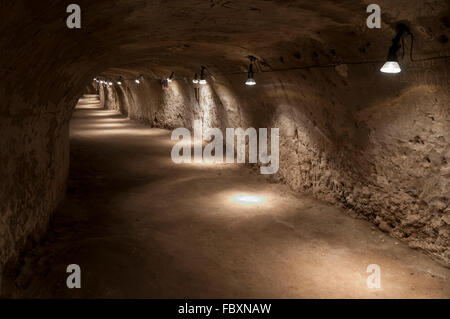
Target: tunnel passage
(375,144)
(385,159)
(141,226)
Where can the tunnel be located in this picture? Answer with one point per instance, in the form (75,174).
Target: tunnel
(339,162)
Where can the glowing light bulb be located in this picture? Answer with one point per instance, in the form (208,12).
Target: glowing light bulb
(195,79)
(110,83)
(250,81)
(390,67)
(202,76)
(137,81)
(169,79)
(118,82)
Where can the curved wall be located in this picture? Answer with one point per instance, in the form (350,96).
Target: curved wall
(375,144)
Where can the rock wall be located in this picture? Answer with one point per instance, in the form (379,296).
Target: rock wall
(373,143)
(175,106)
(33,172)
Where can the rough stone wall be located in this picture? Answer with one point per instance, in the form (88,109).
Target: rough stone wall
(38,90)
(386,160)
(175,106)
(377,145)
(33,171)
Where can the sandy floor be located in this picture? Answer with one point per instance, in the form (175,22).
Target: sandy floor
(141,226)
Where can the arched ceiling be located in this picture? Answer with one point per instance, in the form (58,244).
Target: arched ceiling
(182,34)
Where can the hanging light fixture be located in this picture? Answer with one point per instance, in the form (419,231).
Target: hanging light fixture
(169,79)
(110,83)
(195,80)
(202,76)
(119,82)
(139,79)
(250,79)
(391,65)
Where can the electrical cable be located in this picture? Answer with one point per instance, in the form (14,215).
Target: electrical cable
(332,65)
(259,68)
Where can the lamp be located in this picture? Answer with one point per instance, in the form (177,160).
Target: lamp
(139,79)
(250,79)
(391,65)
(195,80)
(169,79)
(203,76)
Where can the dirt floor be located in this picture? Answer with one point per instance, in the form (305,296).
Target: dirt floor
(141,226)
